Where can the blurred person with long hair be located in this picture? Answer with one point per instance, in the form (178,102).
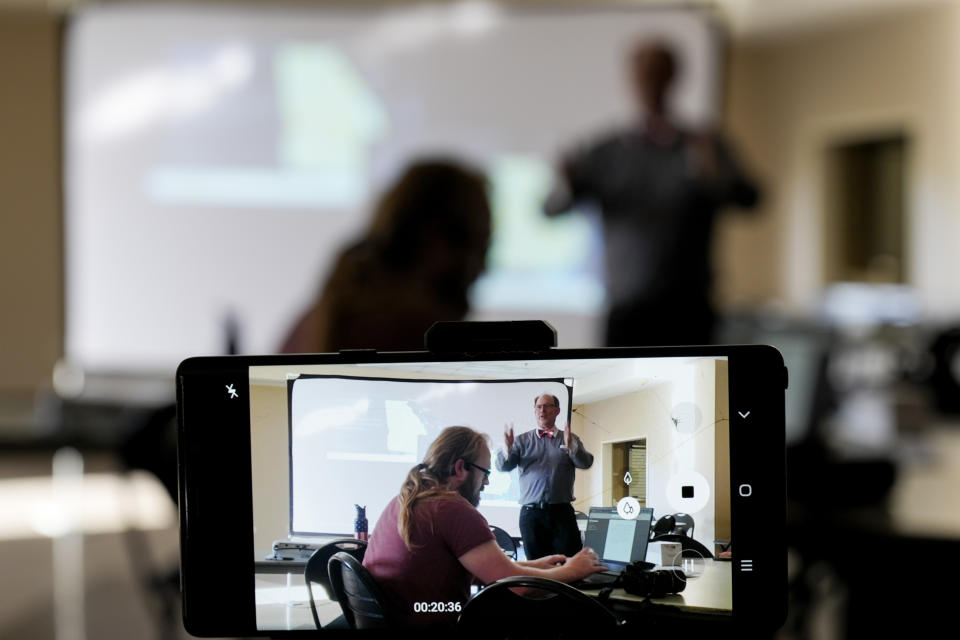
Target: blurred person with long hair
(431,543)
(426,244)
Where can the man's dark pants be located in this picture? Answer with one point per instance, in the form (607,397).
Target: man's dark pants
(549,528)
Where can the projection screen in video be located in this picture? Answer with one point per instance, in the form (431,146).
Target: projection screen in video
(361,437)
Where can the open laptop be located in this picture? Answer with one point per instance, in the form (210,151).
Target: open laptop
(617,541)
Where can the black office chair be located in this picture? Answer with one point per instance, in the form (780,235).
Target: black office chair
(663,526)
(554,609)
(689,548)
(504,541)
(363,602)
(683,524)
(315,571)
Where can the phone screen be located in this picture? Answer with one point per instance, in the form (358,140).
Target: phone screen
(669,433)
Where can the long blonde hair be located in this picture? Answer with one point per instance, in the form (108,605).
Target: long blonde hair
(425,480)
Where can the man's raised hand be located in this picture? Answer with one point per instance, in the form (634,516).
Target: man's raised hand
(508,435)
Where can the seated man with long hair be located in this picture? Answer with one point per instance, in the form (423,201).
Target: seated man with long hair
(431,542)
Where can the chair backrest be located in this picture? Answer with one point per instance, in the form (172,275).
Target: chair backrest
(504,541)
(663,526)
(684,524)
(362,600)
(689,547)
(553,608)
(315,571)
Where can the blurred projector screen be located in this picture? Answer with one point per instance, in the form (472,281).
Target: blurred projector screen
(218,157)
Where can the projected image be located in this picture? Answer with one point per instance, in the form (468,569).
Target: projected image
(327,121)
(533,260)
(646,470)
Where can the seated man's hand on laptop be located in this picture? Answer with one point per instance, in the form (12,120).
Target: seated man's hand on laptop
(585,562)
(574,568)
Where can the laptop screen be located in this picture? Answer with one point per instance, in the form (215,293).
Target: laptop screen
(618,542)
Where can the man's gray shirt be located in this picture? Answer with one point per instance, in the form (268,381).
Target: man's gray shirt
(546,469)
(658,213)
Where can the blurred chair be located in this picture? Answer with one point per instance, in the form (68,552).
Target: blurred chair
(316,571)
(363,602)
(504,541)
(554,608)
(690,548)
(683,524)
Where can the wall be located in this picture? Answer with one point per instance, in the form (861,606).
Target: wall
(721,473)
(647,414)
(269,444)
(790,99)
(31,289)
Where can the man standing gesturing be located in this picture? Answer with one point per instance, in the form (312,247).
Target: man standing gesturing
(547,458)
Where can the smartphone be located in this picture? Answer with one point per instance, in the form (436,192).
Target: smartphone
(278,454)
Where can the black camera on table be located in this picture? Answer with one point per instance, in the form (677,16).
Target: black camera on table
(644,579)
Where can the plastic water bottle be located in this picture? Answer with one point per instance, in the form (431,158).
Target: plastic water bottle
(360,524)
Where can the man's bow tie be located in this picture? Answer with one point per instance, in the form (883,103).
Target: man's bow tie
(548,434)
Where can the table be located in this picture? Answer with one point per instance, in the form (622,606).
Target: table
(279,566)
(283,603)
(709,592)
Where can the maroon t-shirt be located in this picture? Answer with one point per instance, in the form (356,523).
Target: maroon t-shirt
(426,582)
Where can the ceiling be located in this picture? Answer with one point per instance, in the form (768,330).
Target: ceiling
(767,19)
(746,19)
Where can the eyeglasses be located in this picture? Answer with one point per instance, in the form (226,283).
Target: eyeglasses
(486,472)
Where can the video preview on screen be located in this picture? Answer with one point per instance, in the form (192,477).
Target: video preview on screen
(332,446)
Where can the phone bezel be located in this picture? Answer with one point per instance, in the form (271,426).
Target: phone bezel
(215,486)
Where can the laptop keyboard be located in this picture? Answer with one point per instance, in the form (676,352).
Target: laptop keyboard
(602,578)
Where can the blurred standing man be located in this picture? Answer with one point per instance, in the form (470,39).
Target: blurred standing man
(659,189)
(547,458)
